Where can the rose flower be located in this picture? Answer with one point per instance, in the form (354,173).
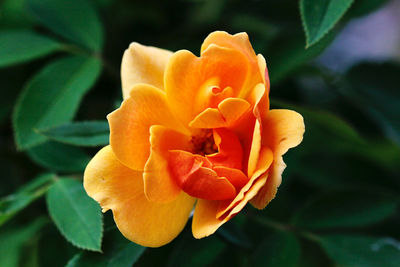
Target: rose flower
(192,133)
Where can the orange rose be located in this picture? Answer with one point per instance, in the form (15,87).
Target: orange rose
(191,131)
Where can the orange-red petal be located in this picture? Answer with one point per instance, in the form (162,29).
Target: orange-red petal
(196,180)
(236,177)
(120,189)
(230,152)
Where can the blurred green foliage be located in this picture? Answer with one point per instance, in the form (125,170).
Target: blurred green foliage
(59,60)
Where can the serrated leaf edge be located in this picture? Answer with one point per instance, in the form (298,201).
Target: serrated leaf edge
(305,28)
(65,235)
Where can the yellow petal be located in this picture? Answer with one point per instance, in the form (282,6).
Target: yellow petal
(143,64)
(232,109)
(255,149)
(205,222)
(259,97)
(239,41)
(282,130)
(120,189)
(159,185)
(262,64)
(268,191)
(227,113)
(208,119)
(129,125)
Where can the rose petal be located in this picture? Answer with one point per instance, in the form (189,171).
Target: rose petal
(196,180)
(129,125)
(143,64)
(232,109)
(228,112)
(236,177)
(159,185)
(210,215)
(187,78)
(239,42)
(262,64)
(285,129)
(255,149)
(230,152)
(120,189)
(227,208)
(205,222)
(208,119)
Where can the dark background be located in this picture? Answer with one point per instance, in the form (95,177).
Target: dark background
(338,202)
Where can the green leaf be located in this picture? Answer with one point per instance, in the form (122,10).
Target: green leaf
(76,215)
(319,17)
(361,251)
(59,157)
(12,204)
(52,97)
(13,14)
(75,20)
(346,209)
(279,249)
(124,256)
(288,53)
(84,133)
(12,242)
(373,87)
(18,46)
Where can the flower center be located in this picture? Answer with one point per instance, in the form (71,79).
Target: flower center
(203,143)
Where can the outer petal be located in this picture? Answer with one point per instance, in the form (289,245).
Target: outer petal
(120,189)
(159,185)
(205,222)
(283,129)
(188,78)
(210,215)
(239,41)
(262,64)
(129,125)
(259,97)
(143,64)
